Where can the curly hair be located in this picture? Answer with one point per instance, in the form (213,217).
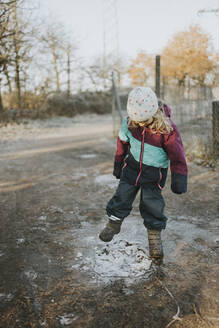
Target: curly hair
(158,123)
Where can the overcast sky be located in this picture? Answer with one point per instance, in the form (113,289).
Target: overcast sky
(142,24)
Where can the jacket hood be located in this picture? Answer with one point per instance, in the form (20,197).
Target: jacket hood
(167,110)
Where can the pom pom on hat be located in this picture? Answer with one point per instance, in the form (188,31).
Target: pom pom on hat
(142,104)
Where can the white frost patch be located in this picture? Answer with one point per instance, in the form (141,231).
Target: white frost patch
(43,217)
(120,259)
(54,209)
(67,319)
(6,297)
(107,180)
(32,275)
(20,241)
(79,175)
(87,156)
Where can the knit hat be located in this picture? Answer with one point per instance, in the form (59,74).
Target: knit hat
(142,104)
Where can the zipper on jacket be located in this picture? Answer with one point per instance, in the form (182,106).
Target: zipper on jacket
(141,157)
(160,179)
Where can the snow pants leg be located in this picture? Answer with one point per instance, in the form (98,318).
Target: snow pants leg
(151,204)
(152,207)
(120,205)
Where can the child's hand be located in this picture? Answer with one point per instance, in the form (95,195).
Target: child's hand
(117,170)
(178,183)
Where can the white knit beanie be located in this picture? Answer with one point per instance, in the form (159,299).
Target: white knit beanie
(142,104)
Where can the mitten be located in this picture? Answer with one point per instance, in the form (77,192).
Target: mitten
(117,169)
(178,183)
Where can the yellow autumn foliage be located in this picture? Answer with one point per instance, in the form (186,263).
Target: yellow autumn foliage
(188,54)
(141,68)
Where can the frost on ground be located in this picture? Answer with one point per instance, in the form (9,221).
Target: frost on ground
(107,180)
(47,127)
(119,259)
(67,319)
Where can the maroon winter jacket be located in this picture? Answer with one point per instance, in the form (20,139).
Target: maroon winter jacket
(143,157)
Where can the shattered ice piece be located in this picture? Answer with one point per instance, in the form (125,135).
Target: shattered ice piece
(44,323)
(75,266)
(67,319)
(39,228)
(54,209)
(127,291)
(1,254)
(43,217)
(119,259)
(6,297)
(79,254)
(20,241)
(87,156)
(32,275)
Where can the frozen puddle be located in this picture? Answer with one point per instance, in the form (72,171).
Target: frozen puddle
(106,179)
(119,259)
(87,156)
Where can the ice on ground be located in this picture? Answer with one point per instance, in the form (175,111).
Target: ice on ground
(6,297)
(119,259)
(107,180)
(20,241)
(87,156)
(67,319)
(55,209)
(79,175)
(31,275)
(43,217)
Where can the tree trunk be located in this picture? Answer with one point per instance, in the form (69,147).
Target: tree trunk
(1,104)
(8,79)
(56,70)
(68,71)
(17,60)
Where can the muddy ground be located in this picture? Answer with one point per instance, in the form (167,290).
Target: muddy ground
(55,272)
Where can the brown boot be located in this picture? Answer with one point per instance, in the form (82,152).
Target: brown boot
(155,246)
(112,228)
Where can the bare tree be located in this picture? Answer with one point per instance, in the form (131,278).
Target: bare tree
(6,31)
(53,41)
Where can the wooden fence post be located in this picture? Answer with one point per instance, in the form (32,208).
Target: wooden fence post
(157,71)
(215,130)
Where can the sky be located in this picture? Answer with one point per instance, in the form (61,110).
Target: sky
(142,24)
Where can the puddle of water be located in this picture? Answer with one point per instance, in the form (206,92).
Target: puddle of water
(124,257)
(119,259)
(87,156)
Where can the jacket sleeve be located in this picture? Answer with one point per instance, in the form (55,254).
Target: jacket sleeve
(174,147)
(121,149)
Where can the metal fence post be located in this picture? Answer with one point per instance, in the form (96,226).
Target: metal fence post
(215,130)
(116,96)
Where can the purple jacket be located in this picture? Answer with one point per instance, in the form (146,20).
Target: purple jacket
(142,157)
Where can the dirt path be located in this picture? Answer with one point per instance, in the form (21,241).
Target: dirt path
(54,271)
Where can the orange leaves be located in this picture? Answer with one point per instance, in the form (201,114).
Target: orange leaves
(141,68)
(188,55)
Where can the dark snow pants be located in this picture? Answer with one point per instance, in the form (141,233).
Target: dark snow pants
(151,204)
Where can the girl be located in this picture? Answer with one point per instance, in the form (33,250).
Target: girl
(148,140)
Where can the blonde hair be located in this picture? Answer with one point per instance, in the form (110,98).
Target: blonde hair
(158,123)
